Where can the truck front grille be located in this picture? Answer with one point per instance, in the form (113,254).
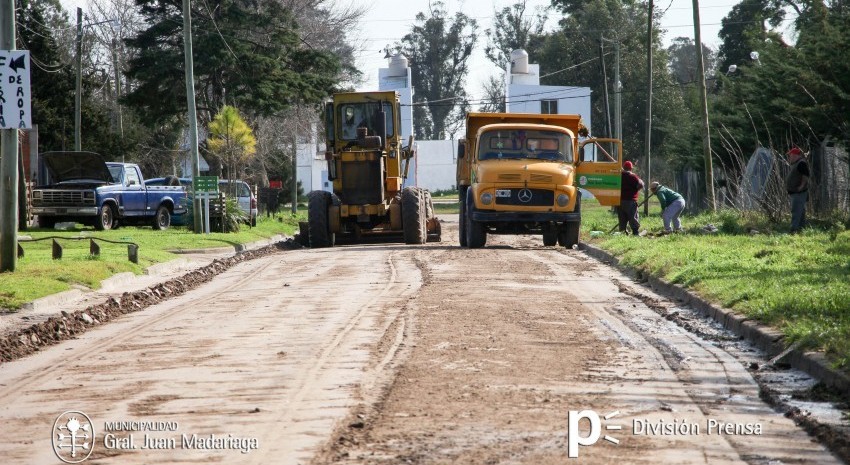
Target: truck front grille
(362,182)
(63,197)
(528,197)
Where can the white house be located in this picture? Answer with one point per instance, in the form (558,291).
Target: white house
(524,94)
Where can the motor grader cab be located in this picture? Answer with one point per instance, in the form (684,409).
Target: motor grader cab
(368,166)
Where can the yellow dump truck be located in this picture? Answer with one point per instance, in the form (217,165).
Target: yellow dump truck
(520,174)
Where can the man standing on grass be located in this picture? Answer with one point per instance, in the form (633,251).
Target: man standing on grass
(797,184)
(630,187)
(672,205)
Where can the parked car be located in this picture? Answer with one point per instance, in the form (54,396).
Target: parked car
(245,199)
(82,188)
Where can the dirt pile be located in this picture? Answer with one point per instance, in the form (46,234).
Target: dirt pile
(68,325)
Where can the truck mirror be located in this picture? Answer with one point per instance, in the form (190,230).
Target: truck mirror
(329,123)
(461,149)
(382,123)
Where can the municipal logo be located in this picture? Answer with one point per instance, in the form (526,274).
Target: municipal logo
(73,437)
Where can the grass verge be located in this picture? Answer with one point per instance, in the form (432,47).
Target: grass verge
(799,284)
(38,275)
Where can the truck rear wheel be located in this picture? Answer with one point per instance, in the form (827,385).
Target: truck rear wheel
(105,218)
(162,219)
(413,213)
(568,234)
(317,220)
(476,233)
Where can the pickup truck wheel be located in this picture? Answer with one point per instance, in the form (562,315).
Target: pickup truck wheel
(318,226)
(568,234)
(476,233)
(47,222)
(413,216)
(162,220)
(105,218)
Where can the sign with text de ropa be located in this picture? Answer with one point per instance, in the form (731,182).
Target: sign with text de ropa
(15,95)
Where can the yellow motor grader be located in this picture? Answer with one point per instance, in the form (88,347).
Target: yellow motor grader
(368,166)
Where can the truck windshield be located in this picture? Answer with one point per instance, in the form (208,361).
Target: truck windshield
(365,115)
(525,144)
(117,173)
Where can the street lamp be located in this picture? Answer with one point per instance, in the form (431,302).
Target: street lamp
(79,91)
(755,57)
(732,69)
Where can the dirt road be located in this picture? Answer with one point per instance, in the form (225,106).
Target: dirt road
(396,354)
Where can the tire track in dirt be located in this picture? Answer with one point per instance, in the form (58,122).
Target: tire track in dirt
(511,337)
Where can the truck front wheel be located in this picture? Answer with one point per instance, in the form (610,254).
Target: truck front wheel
(568,234)
(162,220)
(461,224)
(105,218)
(413,216)
(476,233)
(320,235)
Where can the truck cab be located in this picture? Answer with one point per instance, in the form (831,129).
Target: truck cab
(522,174)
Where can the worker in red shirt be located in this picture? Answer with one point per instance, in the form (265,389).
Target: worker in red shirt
(630,187)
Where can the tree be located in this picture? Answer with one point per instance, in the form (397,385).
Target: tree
(743,31)
(231,140)
(570,55)
(494,96)
(511,30)
(250,55)
(683,62)
(439,48)
(53,84)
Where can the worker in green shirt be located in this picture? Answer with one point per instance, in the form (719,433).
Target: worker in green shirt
(672,205)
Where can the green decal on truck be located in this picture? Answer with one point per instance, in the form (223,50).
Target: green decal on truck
(599,181)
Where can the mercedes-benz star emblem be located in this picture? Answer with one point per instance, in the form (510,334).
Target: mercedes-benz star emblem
(524,196)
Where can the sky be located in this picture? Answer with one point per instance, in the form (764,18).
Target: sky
(386,21)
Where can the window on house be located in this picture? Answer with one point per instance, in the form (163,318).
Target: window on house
(549,107)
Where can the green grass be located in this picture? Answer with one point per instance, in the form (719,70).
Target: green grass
(799,284)
(38,275)
(452,208)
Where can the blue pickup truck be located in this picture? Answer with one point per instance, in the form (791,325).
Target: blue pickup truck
(82,188)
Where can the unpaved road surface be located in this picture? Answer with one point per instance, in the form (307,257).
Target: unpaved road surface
(387,354)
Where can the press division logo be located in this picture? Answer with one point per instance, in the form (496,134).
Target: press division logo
(574,436)
(73,437)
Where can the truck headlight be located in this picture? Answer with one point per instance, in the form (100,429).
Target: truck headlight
(486,198)
(36,195)
(563,200)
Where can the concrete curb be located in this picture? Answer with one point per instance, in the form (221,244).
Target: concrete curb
(766,338)
(158,269)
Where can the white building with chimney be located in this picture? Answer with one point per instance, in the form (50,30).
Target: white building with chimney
(524,94)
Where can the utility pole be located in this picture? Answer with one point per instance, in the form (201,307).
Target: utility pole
(648,107)
(117,66)
(193,116)
(618,88)
(295,160)
(8,160)
(78,99)
(608,131)
(706,133)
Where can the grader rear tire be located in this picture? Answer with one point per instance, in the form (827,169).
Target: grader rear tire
(317,220)
(413,216)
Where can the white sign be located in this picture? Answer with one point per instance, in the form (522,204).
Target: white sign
(15,95)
